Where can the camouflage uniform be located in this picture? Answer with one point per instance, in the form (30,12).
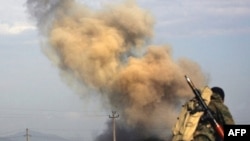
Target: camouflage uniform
(204,130)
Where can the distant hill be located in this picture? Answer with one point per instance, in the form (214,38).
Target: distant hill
(34,136)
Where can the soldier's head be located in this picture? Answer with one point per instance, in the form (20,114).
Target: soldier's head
(219,91)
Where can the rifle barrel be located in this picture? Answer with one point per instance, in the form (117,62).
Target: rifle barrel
(216,125)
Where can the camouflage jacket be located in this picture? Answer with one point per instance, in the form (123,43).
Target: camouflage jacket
(220,112)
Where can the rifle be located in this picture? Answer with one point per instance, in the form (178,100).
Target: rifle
(213,121)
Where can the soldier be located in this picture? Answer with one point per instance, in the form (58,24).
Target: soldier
(204,130)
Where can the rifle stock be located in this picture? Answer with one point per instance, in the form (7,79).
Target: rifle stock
(197,93)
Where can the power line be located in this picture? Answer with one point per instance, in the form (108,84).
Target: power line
(10,132)
(46,110)
(29,113)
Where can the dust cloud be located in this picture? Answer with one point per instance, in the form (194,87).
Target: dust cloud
(108,50)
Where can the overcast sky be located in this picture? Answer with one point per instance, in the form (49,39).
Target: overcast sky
(213,33)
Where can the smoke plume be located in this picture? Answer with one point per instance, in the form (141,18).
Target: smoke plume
(107,50)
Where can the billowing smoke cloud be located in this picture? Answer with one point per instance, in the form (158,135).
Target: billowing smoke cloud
(108,50)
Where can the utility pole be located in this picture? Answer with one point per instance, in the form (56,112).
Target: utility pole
(114,116)
(27,134)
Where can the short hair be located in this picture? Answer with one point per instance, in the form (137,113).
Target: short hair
(219,91)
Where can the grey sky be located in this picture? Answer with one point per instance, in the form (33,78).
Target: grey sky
(32,95)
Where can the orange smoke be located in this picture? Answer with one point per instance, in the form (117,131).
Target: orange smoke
(107,50)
